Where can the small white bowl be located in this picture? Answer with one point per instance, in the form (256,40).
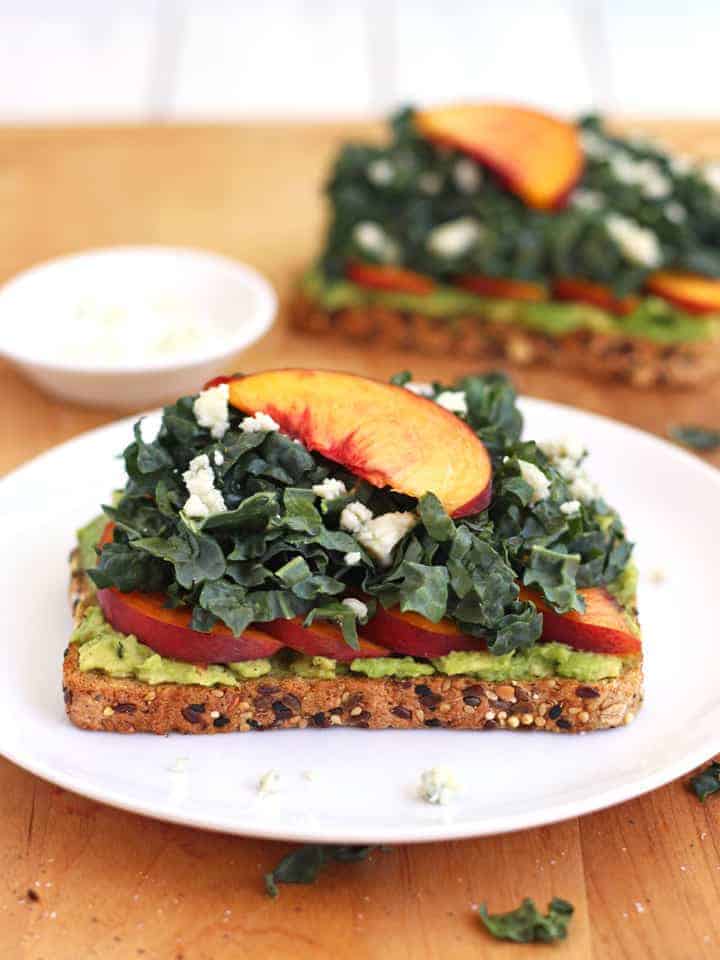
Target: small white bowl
(45,310)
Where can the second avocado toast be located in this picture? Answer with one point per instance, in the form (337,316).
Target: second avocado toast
(499,232)
(304,548)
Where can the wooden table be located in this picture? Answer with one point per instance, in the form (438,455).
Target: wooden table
(644,876)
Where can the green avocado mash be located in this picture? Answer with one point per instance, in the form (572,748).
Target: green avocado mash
(87,538)
(544,660)
(654,319)
(105,649)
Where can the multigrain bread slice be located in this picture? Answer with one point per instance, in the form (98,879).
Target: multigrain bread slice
(641,362)
(95,701)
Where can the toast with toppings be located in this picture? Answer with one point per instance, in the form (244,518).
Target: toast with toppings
(306,548)
(501,233)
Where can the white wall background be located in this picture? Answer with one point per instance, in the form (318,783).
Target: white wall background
(134,60)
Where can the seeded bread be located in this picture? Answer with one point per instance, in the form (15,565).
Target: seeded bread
(95,701)
(644,363)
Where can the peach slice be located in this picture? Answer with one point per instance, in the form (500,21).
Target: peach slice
(689,291)
(168,632)
(394,279)
(415,636)
(539,157)
(321,639)
(602,628)
(584,291)
(500,287)
(382,433)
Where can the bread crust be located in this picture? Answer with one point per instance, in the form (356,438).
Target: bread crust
(95,701)
(640,362)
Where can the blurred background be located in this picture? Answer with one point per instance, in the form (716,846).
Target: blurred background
(195,60)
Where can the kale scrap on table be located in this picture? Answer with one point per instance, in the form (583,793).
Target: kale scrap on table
(279,552)
(526,924)
(304,864)
(707,782)
(698,438)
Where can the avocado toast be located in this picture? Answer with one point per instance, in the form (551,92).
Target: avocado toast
(499,232)
(306,548)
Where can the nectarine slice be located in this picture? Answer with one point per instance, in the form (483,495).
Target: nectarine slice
(168,632)
(382,433)
(584,291)
(539,157)
(321,640)
(602,628)
(415,636)
(500,287)
(689,291)
(394,279)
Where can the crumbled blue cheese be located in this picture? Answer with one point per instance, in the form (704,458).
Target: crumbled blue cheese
(639,244)
(373,240)
(359,609)
(420,389)
(210,409)
(563,447)
(467,175)
(644,174)
(711,175)
(566,456)
(430,183)
(204,499)
(269,782)
(218,458)
(381,535)
(438,785)
(594,145)
(259,421)
(353,558)
(380,172)
(536,479)
(675,212)
(330,489)
(454,238)
(354,516)
(570,508)
(453,400)
(681,164)
(588,200)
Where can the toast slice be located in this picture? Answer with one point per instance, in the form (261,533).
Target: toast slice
(95,701)
(639,361)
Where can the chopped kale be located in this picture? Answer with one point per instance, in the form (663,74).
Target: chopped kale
(698,438)
(304,865)
(527,925)
(707,782)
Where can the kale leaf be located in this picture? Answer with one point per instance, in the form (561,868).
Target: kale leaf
(707,782)
(698,438)
(304,865)
(526,924)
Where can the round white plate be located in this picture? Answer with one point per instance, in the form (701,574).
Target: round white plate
(364,787)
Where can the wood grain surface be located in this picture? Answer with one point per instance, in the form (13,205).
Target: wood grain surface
(644,876)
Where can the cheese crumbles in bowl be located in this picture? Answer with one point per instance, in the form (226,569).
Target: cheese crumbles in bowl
(131,326)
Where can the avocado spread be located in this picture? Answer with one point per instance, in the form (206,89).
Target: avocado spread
(653,319)
(118,655)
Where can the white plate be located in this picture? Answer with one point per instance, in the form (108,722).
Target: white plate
(365,785)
